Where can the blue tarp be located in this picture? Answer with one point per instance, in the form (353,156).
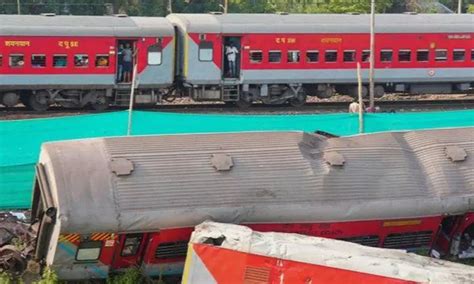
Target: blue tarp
(20,140)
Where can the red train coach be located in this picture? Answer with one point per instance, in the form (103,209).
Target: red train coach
(135,200)
(73,60)
(283,57)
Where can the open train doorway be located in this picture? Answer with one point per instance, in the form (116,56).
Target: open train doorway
(126,51)
(231,57)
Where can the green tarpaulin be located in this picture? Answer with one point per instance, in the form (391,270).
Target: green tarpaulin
(20,140)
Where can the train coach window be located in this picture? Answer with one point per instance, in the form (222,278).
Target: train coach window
(102,60)
(459,55)
(131,244)
(349,56)
(441,55)
(38,60)
(422,55)
(89,250)
(293,56)
(330,56)
(404,55)
(81,60)
(256,56)
(205,51)
(59,61)
(274,56)
(1,60)
(365,56)
(312,56)
(17,60)
(154,54)
(386,55)
(472,56)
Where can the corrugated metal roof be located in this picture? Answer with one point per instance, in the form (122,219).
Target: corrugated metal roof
(323,23)
(275,177)
(29,25)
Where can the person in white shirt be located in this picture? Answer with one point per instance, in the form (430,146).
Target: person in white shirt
(231,52)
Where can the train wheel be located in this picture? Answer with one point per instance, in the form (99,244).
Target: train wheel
(379,91)
(245,100)
(39,101)
(10,99)
(101,102)
(298,101)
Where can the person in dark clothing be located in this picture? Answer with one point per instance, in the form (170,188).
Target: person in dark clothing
(120,63)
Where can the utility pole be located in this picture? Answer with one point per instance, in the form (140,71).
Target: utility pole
(372,54)
(361,102)
(226,6)
(459,6)
(18,7)
(170,6)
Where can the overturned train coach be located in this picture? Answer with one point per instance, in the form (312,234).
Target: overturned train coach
(75,61)
(107,204)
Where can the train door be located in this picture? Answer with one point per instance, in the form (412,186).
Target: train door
(126,51)
(130,250)
(231,57)
(455,237)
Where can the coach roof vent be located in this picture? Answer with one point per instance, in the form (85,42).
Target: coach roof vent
(353,13)
(456,153)
(410,13)
(215,13)
(334,158)
(48,14)
(121,166)
(282,13)
(222,162)
(121,15)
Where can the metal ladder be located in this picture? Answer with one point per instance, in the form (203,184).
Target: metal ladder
(122,95)
(230,93)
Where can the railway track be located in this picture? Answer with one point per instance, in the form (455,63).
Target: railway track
(310,107)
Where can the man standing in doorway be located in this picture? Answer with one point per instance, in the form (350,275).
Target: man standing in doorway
(120,63)
(231,52)
(127,63)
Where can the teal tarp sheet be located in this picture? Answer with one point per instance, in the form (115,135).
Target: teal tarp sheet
(20,140)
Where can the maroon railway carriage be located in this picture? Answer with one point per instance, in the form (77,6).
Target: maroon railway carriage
(72,60)
(278,58)
(286,57)
(135,200)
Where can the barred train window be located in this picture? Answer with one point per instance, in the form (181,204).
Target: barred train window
(81,60)
(422,55)
(349,56)
(102,60)
(1,60)
(205,51)
(404,55)
(312,56)
(131,244)
(274,56)
(459,55)
(472,56)
(293,56)
(154,54)
(88,250)
(59,61)
(17,60)
(331,56)
(365,56)
(441,55)
(256,56)
(386,55)
(38,60)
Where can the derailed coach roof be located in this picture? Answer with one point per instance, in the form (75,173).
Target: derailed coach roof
(128,184)
(322,23)
(29,25)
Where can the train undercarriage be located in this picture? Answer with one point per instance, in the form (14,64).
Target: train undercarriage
(242,95)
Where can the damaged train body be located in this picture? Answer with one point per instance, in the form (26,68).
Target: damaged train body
(106,204)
